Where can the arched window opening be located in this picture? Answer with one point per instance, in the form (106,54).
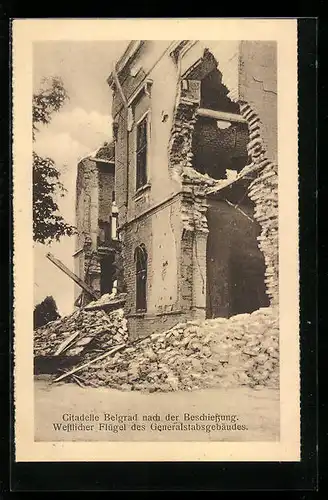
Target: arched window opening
(140,258)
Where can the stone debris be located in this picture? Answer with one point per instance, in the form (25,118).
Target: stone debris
(241,350)
(91,331)
(107,300)
(190,174)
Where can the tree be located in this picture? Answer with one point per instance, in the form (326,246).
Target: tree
(48,224)
(45,312)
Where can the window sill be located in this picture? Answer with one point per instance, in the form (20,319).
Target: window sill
(140,191)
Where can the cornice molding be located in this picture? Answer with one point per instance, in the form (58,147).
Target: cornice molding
(127,56)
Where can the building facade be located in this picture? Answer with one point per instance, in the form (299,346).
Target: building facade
(195,131)
(96,240)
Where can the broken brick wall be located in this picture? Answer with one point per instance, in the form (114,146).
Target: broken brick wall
(86,214)
(258,105)
(94,189)
(106,179)
(258,88)
(86,202)
(256,83)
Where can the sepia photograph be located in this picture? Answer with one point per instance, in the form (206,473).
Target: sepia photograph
(155,223)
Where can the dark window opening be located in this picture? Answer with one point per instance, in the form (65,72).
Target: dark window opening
(216,149)
(214,94)
(107,274)
(141,152)
(235,266)
(140,257)
(217,145)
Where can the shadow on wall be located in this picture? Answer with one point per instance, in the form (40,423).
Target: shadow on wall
(235,265)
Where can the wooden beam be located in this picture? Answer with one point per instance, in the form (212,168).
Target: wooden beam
(220,115)
(66,343)
(101,160)
(73,276)
(103,356)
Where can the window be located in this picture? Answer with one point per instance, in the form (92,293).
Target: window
(141,152)
(140,258)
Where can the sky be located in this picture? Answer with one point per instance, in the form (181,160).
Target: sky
(82,125)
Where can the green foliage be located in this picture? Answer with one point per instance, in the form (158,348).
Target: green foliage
(45,312)
(48,224)
(47,101)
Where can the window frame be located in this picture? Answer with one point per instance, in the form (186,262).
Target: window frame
(144,116)
(141,251)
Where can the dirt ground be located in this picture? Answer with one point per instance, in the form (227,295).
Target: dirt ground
(254,413)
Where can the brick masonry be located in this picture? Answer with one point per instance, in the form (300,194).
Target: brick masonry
(186,294)
(263,191)
(94,188)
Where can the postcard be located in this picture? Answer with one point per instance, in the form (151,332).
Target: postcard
(156,273)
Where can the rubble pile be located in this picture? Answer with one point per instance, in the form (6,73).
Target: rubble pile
(83,332)
(241,350)
(107,301)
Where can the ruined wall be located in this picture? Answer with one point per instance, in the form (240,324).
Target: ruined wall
(94,188)
(258,105)
(235,265)
(173,117)
(226,53)
(180,144)
(106,180)
(256,82)
(192,275)
(258,88)
(86,214)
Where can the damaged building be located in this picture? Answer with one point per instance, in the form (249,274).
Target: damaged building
(97,245)
(193,168)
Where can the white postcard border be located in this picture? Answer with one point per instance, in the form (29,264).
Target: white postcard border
(284,31)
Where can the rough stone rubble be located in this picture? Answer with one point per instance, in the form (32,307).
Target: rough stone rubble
(241,350)
(92,331)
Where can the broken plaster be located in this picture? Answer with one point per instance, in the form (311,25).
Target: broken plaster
(263,190)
